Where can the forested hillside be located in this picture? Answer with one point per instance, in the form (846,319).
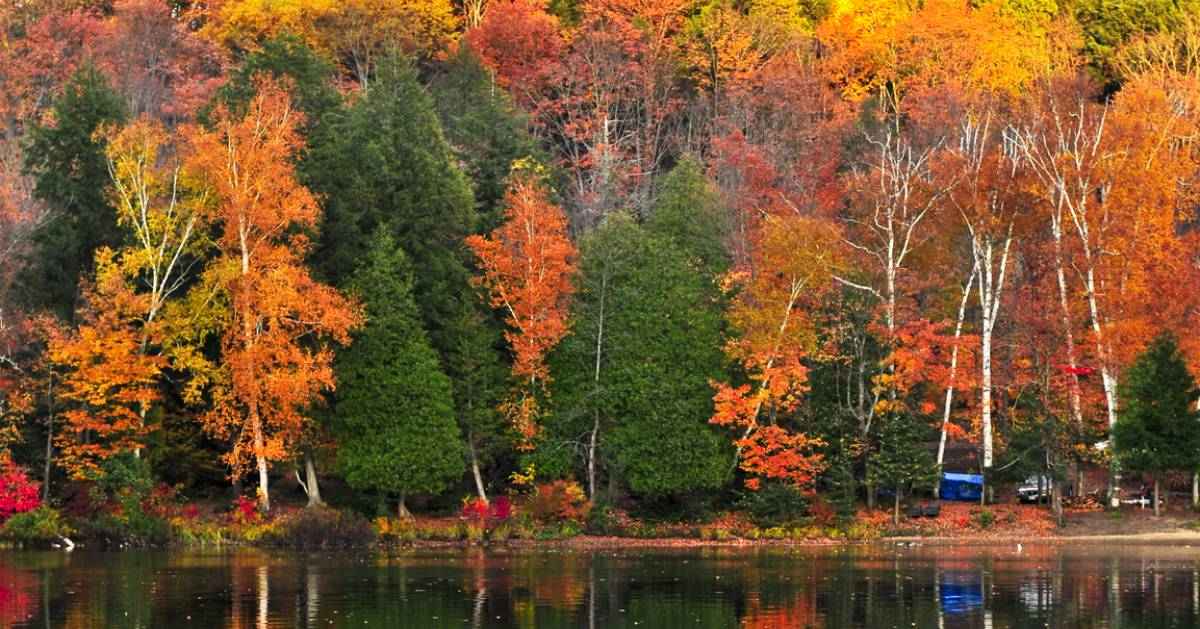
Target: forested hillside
(665,253)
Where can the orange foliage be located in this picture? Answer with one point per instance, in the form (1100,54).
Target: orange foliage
(526,266)
(277,311)
(105,373)
(789,271)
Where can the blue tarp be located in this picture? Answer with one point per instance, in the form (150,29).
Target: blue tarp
(961,486)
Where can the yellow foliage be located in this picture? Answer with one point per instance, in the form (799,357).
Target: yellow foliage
(351,31)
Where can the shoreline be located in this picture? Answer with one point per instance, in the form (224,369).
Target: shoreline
(1175,538)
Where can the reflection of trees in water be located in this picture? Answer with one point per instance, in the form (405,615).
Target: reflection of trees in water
(946,588)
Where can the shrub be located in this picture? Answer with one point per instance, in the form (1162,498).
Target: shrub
(984,519)
(18,494)
(775,504)
(602,520)
(36,525)
(322,527)
(560,501)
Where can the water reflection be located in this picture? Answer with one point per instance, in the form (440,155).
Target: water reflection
(866,586)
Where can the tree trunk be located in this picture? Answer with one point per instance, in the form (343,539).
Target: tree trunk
(962,315)
(896,507)
(1157,513)
(1073,378)
(1056,490)
(1195,489)
(264,495)
(310,475)
(402,508)
(591,458)
(475,473)
(870,496)
(49,439)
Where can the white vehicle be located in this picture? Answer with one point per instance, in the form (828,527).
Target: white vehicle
(1032,491)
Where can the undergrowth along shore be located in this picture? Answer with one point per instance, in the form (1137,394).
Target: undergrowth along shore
(500,523)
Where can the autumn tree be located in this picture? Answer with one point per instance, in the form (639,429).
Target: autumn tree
(774,332)
(988,198)
(105,375)
(271,370)
(394,408)
(525,267)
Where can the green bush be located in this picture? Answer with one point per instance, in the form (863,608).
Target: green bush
(40,525)
(776,504)
(984,519)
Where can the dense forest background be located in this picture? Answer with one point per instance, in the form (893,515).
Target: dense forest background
(688,253)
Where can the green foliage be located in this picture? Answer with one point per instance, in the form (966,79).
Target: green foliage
(689,214)
(1159,427)
(484,129)
(308,75)
(648,316)
(386,166)
(393,407)
(984,519)
(775,504)
(655,317)
(127,489)
(66,160)
(40,525)
(1107,24)
(900,458)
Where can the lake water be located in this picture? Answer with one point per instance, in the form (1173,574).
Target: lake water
(874,586)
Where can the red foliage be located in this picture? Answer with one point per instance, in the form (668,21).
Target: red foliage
(520,40)
(18,493)
(245,509)
(559,501)
(481,513)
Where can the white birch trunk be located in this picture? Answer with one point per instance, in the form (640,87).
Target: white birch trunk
(962,315)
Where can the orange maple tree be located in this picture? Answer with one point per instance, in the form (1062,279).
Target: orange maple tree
(526,267)
(104,374)
(792,262)
(274,363)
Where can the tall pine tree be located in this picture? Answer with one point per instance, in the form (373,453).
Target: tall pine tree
(66,160)
(386,166)
(393,408)
(633,378)
(1159,426)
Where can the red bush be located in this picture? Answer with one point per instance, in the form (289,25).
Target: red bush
(481,513)
(245,509)
(18,493)
(559,501)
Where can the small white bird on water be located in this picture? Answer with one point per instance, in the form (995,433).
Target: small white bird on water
(1018,547)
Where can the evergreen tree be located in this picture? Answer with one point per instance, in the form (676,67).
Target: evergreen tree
(485,130)
(688,212)
(66,160)
(633,378)
(1158,429)
(393,406)
(386,166)
(900,459)
(307,74)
